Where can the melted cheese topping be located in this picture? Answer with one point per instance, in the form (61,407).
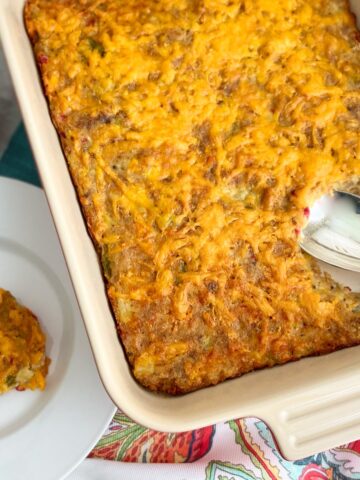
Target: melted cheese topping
(198,132)
(23,364)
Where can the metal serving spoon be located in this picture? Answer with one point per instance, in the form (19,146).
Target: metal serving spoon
(333,231)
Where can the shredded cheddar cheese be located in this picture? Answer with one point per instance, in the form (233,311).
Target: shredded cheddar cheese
(23,363)
(198,133)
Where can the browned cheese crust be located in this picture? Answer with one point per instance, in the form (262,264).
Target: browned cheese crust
(197,133)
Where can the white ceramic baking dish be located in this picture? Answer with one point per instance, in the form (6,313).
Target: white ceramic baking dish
(310,405)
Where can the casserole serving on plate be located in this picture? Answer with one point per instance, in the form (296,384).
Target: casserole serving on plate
(303,385)
(23,359)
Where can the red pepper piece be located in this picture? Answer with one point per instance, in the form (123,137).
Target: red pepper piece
(42,58)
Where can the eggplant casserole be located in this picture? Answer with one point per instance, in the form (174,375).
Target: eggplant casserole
(23,363)
(198,133)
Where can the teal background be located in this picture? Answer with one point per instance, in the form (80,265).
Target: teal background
(17,160)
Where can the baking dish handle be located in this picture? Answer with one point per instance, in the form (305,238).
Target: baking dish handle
(317,420)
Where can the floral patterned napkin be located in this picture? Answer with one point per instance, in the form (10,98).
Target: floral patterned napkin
(239,449)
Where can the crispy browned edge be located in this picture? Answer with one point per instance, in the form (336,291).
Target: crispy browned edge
(86,213)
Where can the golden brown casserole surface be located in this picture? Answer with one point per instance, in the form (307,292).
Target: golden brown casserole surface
(198,133)
(23,363)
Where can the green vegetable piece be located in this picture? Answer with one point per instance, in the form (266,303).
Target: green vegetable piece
(95,45)
(10,380)
(105,261)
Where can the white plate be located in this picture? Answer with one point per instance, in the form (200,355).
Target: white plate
(44,435)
